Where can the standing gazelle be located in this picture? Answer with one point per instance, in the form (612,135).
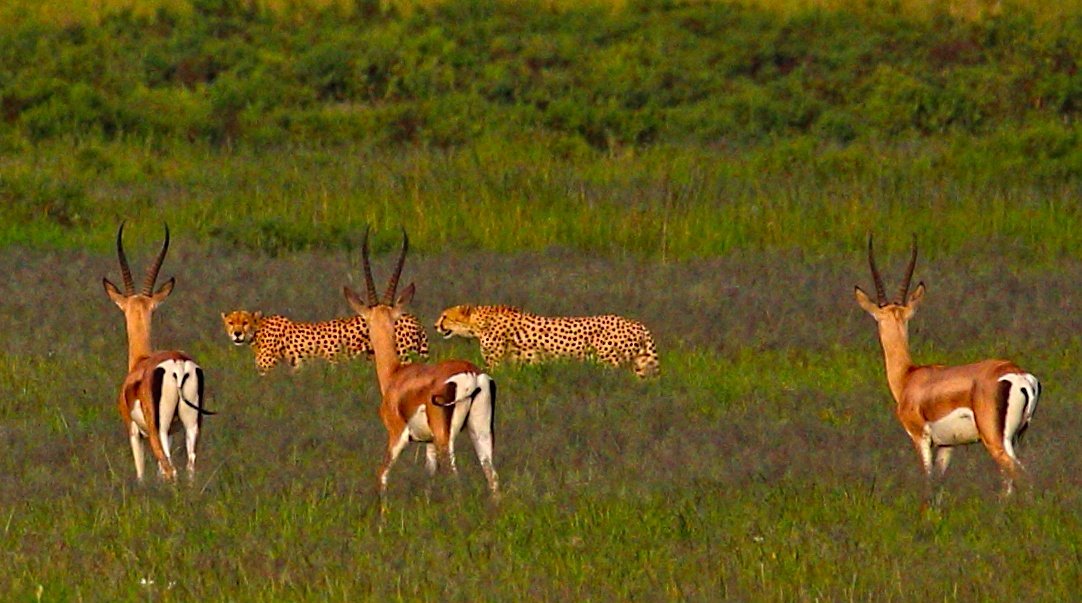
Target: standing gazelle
(157,381)
(424,402)
(945,406)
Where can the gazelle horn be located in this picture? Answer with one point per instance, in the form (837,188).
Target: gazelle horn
(880,291)
(125,270)
(152,271)
(370,286)
(392,285)
(903,291)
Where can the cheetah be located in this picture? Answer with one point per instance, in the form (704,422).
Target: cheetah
(509,332)
(275,337)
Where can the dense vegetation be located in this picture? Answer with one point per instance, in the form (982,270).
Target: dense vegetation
(711,168)
(652,118)
(448,74)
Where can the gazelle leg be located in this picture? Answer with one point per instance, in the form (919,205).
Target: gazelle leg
(396,441)
(167,407)
(191,435)
(479,424)
(993,440)
(192,393)
(1008,466)
(439,421)
(451,455)
(137,451)
(942,459)
(430,458)
(165,467)
(923,444)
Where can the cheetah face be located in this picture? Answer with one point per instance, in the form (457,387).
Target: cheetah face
(241,326)
(456,320)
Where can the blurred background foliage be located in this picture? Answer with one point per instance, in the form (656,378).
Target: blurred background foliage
(600,74)
(669,129)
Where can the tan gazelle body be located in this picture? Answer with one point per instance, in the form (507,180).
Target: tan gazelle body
(424,402)
(157,381)
(940,407)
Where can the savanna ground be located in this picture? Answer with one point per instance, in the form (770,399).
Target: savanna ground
(764,464)
(710,168)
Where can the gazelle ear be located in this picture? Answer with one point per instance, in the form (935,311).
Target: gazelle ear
(113,293)
(164,291)
(354,301)
(916,296)
(866,302)
(406,297)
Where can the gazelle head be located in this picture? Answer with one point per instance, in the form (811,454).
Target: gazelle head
(388,307)
(892,316)
(138,307)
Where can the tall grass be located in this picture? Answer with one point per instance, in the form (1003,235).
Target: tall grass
(764,464)
(67,12)
(665,203)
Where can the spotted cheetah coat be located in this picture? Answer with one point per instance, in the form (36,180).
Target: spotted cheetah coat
(506,332)
(277,337)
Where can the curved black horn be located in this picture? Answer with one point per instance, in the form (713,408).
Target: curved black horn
(392,285)
(370,285)
(125,270)
(880,291)
(152,271)
(903,291)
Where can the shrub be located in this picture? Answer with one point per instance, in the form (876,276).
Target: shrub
(32,197)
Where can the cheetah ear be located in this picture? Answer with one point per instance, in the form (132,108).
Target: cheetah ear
(223,315)
(467,310)
(257,315)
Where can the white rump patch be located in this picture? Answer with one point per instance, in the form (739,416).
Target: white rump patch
(467,386)
(1021,404)
(955,428)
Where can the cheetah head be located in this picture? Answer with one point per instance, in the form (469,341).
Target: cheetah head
(457,320)
(241,326)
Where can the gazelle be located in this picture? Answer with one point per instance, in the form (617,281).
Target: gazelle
(991,401)
(157,381)
(424,402)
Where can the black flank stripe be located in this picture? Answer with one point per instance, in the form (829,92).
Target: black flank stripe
(156,394)
(492,409)
(1002,401)
(1025,408)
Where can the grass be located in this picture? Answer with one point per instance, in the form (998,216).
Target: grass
(65,12)
(659,203)
(765,464)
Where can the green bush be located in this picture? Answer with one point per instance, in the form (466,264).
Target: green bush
(275,236)
(234,72)
(35,197)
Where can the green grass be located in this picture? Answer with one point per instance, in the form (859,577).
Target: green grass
(764,464)
(663,204)
(711,169)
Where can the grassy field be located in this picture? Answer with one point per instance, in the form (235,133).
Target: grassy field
(657,203)
(710,168)
(765,464)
